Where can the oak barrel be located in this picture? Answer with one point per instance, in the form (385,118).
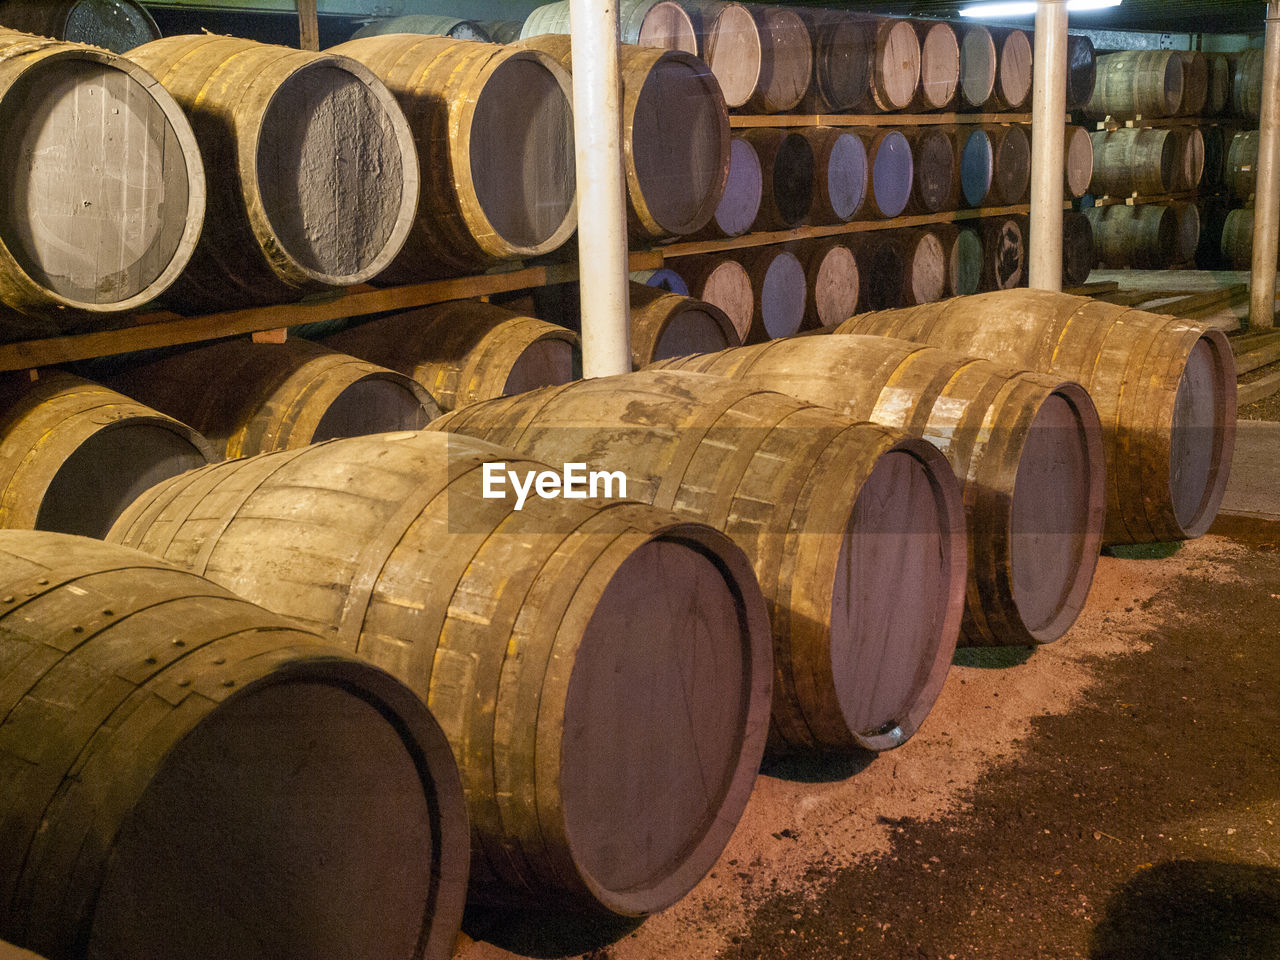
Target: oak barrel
(249,398)
(843,60)
(74,454)
(1242,164)
(924,264)
(558,645)
(724,282)
(779,292)
(664,277)
(1187,217)
(103,186)
(939,65)
(786,60)
(1079,162)
(963,248)
(840,175)
(1246,86)
(1077,248)
(649,23)
(786,175)
(1144,236)
(1082,71)
(665,324)
(881,263)
(1013,76)
(465,351)
(1195,83)
(675,137)
(892,171)
(494,129)
(1165,389)
(1004,253)
(1216,147)
(977,164)
(979,61)
(743,191)
(1218,98)
(1237,239)
(729,43)
(1137,83)
(428,24)
(1034,486)
(1011,163)
(835,516)
(935,160)
(1191,153)
(502,31)
(834,283)
(116,25)
(174,755)
(1131,160)
(292,207)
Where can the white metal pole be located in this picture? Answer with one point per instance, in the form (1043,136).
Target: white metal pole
(1266,217)
(1048,137)
(602,201)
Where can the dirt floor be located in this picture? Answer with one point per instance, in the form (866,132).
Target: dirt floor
(1267,409)
(1112,796)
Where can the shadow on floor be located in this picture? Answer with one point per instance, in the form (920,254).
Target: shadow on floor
(545,934)
(1193,910)
(815,767)
(992,658)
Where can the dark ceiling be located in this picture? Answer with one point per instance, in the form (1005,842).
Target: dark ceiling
(1172,16)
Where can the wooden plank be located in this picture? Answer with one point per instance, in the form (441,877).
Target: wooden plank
(1259,389)
(1267,352)
(1093,289)
(1208,301)
(308,25)
(873,119)
(1137,199)
(858,226)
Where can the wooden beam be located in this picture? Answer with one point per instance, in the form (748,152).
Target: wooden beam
(1259,356)
(874,119)
(1259,389)
(308,25)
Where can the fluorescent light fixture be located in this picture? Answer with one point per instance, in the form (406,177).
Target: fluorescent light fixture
(1025,8)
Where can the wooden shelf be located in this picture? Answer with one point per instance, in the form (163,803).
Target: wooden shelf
(873,119)
(1179,197)
(1160,123)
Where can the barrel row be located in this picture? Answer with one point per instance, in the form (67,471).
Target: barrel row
(1151,84)
(1146,236)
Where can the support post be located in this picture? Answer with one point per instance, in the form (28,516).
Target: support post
(1048,145)
(1266,217)
(308,25)
(602,200)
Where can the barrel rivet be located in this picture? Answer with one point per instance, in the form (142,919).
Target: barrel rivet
(228,683)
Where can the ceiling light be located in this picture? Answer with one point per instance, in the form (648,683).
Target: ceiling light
(1025,8)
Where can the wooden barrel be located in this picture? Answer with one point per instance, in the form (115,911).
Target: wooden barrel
(924,265)
(786,177)
(9,952)
(939,65)
(1079,162)
(977,165)
(465,351)
(1137,83)
(664,278)
(979,62)
(779,291)
(1242,164)
(1010,164)
(841,515)
(786,60)
(173,754)
(844,49)
(729,43)
(1246,86)
(1218,96)
(1195,83)
(1034,486)
(502,31)
(1189,170)
(648,23)
(1082,71)
(1164,387)
(1144,236)
(249,398)
(116,25)
(963,248)
(834,283)
(881,264)
(494,131)
(667,325)
(1013,75)
(428,24)
(74,454)
(556,645)
(1216,146)
(840,174)
(676,171)
(892,171)
(895,70)
(1004,254)
(1187,218)
(292,208)
(1077,248)
(1129,160)
(723,282)
(743,192)
(1237,239)
(102,208)
(936,180)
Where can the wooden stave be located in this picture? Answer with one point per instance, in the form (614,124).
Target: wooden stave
(261,271)
(779,25)
(217,649)
(1242,164)
(653,311)
(948,399)
(841,42)
(44,425)
(1195,83)
(520,851)
(21,54)
(461,352)
(1218,98)
(932,33)
(817,271)
(805,712)
(823,141)
(707,274)
(788,169)
(635,64)
(250,398)
(1082,71)
(1127,85)
(1106,349)
(707,17)
(437,83)
(48,19)
(1246,86)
